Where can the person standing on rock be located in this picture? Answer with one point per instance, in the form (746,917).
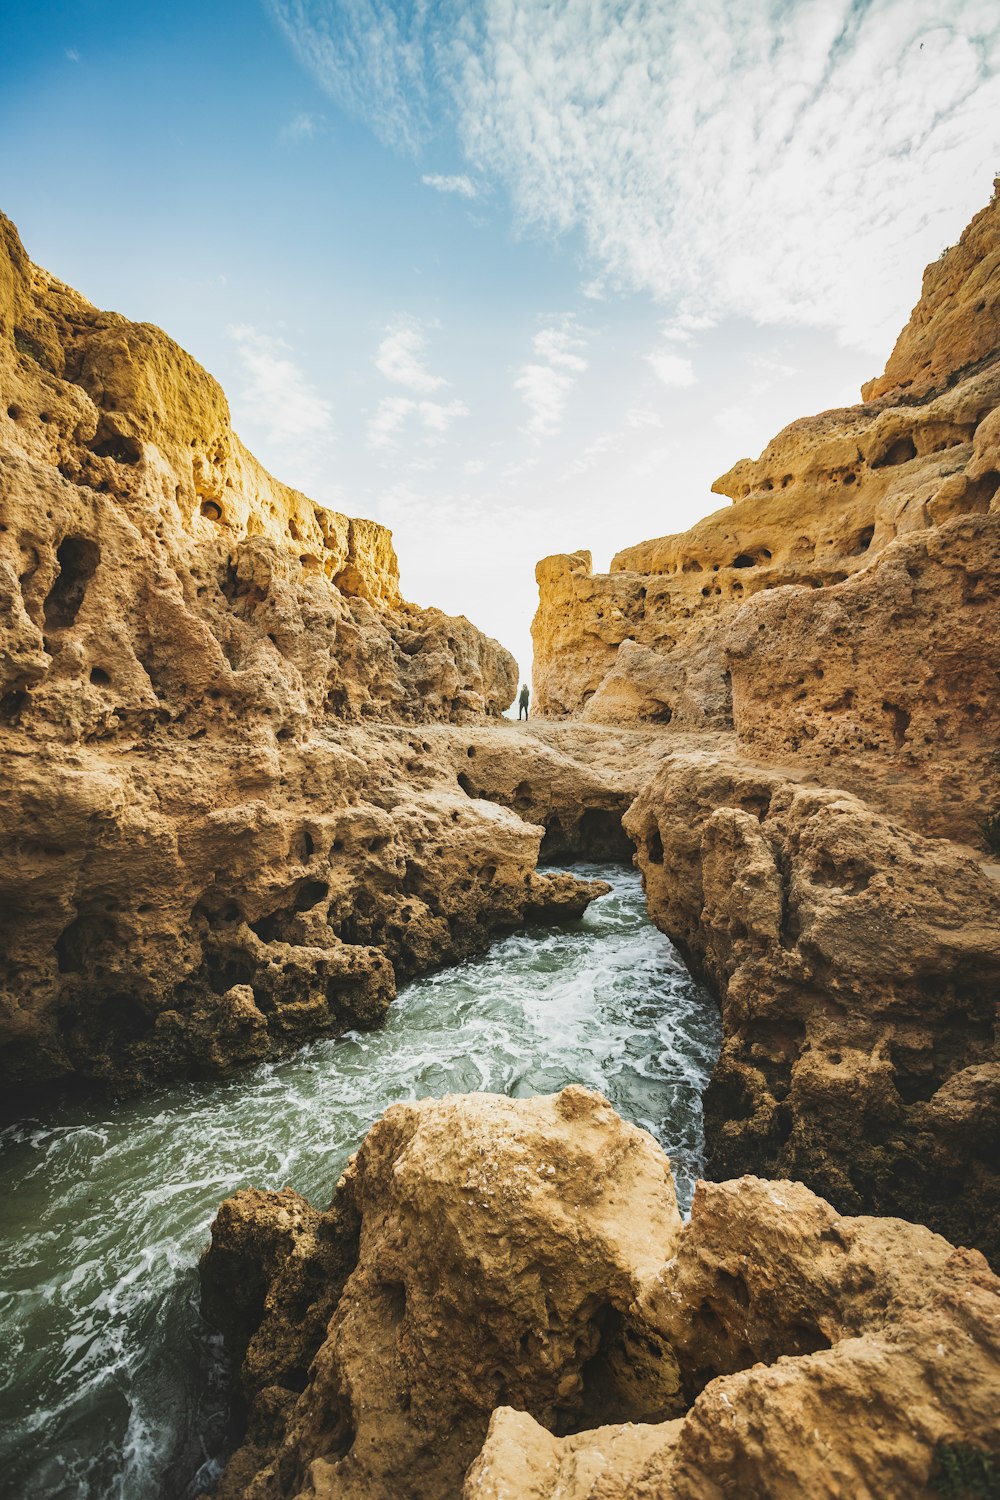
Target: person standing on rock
(522,702)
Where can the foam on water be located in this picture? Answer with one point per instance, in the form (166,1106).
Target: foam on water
(110,1384)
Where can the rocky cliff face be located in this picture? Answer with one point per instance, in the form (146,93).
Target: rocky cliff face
(857,966)
(826,653)
(517,1272)
(840,614)
(209,849)
(157,579)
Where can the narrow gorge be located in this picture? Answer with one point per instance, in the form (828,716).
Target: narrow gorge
(284,909)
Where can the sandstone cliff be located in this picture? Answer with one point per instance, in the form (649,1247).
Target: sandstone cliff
(156,578)
(517,1272)
(825,654)
(218,837)
(840,614)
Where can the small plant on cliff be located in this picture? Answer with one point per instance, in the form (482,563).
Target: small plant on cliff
(962,1472)
(991,831)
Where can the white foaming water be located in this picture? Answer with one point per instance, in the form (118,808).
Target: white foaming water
(111,1387)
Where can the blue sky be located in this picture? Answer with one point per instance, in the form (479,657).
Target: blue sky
(512,277)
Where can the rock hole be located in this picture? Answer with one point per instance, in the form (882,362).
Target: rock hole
(99,677)
(862,541)
(466,784)
(11,705)
(118,447)
(899,719)
(899,452)
(978,495)
(395,1301)
(223,972)
(654,848)
(77,557)
(211,511)
(311,894)
(734,1286)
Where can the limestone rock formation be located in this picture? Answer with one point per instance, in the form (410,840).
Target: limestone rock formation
(956,323)
(842,611)
(216,840)
(857,967)
(525,1258)
(462,1295)
(157,578)
(826,654)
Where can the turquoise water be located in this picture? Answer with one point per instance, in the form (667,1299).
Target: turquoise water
(111,1387)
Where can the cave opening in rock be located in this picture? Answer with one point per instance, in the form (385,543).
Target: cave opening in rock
(899,452)
(77,557)
(596,833)
(119,448)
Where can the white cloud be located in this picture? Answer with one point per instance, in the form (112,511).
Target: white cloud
(683,328)
(769,370)
(557,345)
(624,443)
(277,397)
(373,60)
(301,127)
(672,369)
(789,163)
(72,55)
(462,185)
(640,416)
(785,162)
(546,381)
(433,419)
(399,357)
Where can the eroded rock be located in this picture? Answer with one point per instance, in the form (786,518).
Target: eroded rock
(527,1256)
(213,846)
(857,966)
(842,613)
(463,1295)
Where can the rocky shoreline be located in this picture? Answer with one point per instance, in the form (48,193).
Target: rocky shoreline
(503,1290)
(251,790)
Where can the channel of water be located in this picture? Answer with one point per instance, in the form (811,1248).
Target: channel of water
(111,1387)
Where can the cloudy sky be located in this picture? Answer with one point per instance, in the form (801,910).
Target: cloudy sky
(512,277)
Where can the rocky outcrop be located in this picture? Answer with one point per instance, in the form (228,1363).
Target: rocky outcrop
(525,1259)
(857,967)
(183,911)
(216,840)
(842,611)
(157,580)
(826,653)
(462,1295)
(956,323)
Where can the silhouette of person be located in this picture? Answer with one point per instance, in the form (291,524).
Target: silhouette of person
(522,702)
